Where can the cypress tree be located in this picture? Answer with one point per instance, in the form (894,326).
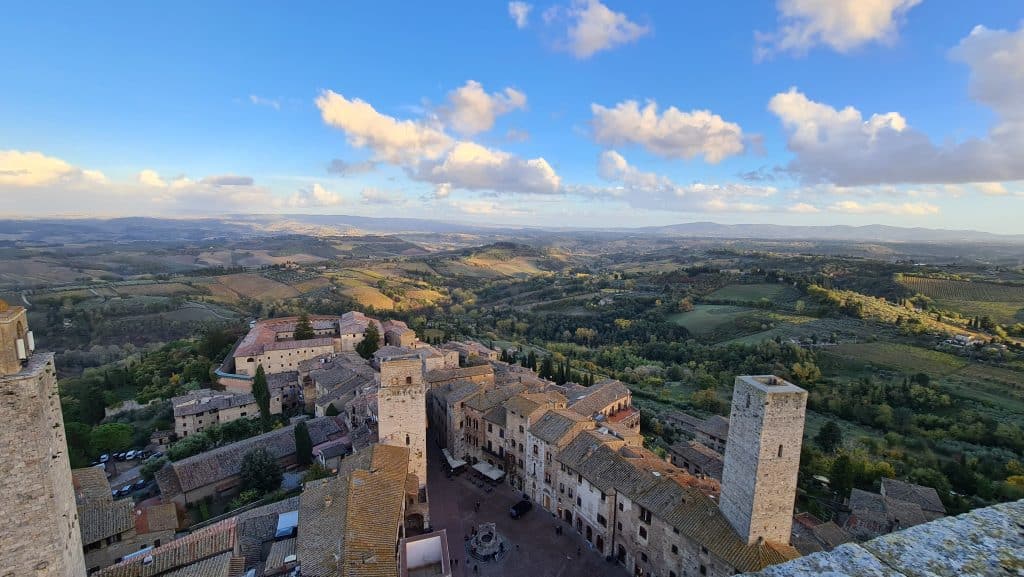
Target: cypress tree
(262,394)
(303,444)
(304,329)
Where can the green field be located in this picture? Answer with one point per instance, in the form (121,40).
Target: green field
(1003,303)
(906,358)
(706,318)
(776,293)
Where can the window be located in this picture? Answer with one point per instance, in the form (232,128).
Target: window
(520,428)
(535,450)
(643,532)
(408,380)
(579,479)
(675,550)
(489,428)
(619,525)
(780,451)
(561,488)
(703,570)
(643,557)
(645,515)
(602,520)
(603,497)
(407,439)
(579,502)
(501,433)
(675,530)
(621,507)
(703,549)
(671,574)
(748,400)
(547,478)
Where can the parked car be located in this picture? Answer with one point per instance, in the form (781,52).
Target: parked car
(520,509)
(140,484)
(119,456)
(130,455)
(125,491)
(104,458)
(155,456)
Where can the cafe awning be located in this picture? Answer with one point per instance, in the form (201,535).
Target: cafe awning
(452,461)
(489,471)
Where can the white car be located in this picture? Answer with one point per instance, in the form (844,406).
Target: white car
(130,455)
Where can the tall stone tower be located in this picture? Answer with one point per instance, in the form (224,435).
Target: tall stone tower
(762,457)
(402,413)
(37,498)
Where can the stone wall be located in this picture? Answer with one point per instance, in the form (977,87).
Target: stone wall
(762,457)
(37,500)
(402,411)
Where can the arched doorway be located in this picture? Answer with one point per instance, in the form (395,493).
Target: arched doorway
(414,524)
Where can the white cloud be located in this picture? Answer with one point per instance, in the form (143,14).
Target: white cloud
(840,24)
(32,169)
(428,154)
(656,192)
(471,166)
(803,208)
(593,27)
(396,141)
(372,195)
(991,188)
(471,110)
(227,180)
(262,101)
(149,177)
(315,196)
(673,134)
(520,12)
(844,148)
(888,208)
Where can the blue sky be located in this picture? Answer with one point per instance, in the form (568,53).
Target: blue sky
(581,113)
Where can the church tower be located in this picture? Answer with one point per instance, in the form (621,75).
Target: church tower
(402,414)
(36,493)
(762,457)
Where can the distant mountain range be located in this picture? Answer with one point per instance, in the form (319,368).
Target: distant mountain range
(172,229)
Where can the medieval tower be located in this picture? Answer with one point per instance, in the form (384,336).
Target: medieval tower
(762,457)
(36,493)
(402,414)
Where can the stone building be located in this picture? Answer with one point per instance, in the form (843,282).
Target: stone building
(215,473)
(762,457)
(446,411)
(481,374)
(697,459)
(113,530)
(37,500)
(402,417)
(544,439)
(196,411)
(521,411)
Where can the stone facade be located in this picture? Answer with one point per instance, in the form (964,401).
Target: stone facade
(402,415)
(762,457)
(37,500)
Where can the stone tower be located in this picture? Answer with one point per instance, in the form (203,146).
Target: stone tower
(762,457)
(402,412)
(37,498)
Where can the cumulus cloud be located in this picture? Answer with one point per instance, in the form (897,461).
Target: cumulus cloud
(672,134)
(888,208)
(372,195)
(262,101)
(472,110)
(594,27)
(520,13)
(314,196)
(341,167)
(471,166)
(992,188)
(396,141)
(839,24)
(149,177)
(33,169)
(656,192)
(803,208)
(429,154)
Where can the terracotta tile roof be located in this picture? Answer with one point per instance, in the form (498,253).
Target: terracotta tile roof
(156,518)
(830,534)
(184,554)
(204,400)
(526,403)
(497,415)
(355,322)
(715,425)
(223,462)
(459,373)
(886,513)
(278,551)
(367,497)
(555,425)
(699,518)
(926,497)
(288,345)
(101,519)
(452,393)
(90,485)
(264,334)
(599,396)
(257,526)
(709,460)
(491,397)
(223,565)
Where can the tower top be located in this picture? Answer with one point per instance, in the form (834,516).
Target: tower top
(770,384)
(16,342)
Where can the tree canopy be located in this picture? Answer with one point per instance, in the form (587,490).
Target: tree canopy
(370,342)
(261,392)
(260,471)
(303,444)
(304,329)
